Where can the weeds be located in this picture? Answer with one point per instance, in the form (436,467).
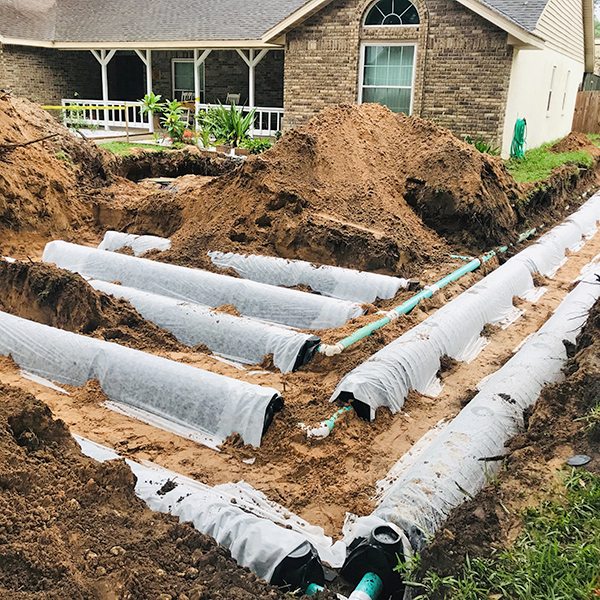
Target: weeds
(557,556)
(538,163)
(483,146)
(591,419)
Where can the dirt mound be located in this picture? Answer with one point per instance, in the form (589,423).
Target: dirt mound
(62,299)
(71,528)
(575,142)
(555,432)
(37,181)
(348,189)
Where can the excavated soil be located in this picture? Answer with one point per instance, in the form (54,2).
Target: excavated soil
(59,298)
(358,186)
(73,529)
(574,142)
(493,519)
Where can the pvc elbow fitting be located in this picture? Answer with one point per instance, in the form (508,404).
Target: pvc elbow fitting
(331,350)
(320,432)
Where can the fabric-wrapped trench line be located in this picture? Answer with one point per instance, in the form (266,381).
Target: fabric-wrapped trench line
(209,403)
(412,361)
(115,240)
(454,464)
(254,541)
(251,299)
(238,338)
(347,284)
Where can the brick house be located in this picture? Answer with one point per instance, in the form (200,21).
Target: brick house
(474,66)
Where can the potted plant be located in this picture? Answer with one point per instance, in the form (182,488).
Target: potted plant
(152,105)
(232,127)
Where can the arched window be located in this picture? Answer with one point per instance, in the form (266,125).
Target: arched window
(392,12)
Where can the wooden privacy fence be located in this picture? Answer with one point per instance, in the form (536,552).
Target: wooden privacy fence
(586,118)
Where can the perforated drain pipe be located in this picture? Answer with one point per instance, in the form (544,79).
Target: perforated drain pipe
(406,307)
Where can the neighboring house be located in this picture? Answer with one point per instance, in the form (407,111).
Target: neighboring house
(474,66)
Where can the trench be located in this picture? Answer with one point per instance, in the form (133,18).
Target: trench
(401,430)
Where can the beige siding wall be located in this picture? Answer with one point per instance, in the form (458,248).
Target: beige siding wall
(561,25)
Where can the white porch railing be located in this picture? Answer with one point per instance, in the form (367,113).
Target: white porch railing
(267,120)
(111,113)
(106,114)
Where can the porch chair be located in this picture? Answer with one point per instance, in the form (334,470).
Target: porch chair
(235,98)
(187,96)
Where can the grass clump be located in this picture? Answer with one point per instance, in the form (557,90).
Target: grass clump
(124,148)
(557,556)
(538,163)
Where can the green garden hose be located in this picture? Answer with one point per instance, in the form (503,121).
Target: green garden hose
(517,148)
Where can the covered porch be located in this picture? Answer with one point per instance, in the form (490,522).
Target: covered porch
(199,78)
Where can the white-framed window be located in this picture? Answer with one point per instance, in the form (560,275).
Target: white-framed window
(564,101)
(551,88)
(183,79)
(392,12)
(387,75)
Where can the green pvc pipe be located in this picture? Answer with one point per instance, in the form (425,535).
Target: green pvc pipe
(370,586)
(407,306)
(313,588)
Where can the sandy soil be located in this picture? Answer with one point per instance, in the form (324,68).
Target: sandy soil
(318,480)
(532,471)
(333,191)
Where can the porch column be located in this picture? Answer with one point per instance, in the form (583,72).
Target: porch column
(251,60)
(146,58)
(103,58)
(198,62)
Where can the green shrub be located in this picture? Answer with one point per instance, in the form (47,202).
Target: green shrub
(257,145)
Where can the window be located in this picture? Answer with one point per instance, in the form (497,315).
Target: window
(392,12)
(566,90)
(183,79)
(551,88)
(387,76)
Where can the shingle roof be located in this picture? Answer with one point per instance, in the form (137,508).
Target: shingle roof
(177,20)
(141,20)
(524,14)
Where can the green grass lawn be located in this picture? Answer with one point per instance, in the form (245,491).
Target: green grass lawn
(557,556)
(538,163)
(125,149)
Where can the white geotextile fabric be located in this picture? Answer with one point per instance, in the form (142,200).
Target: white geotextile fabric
(254,529)
(251,299)
(212,404)
(346,284)
(423,496)
(115,240)
(412,361)
(238,338)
